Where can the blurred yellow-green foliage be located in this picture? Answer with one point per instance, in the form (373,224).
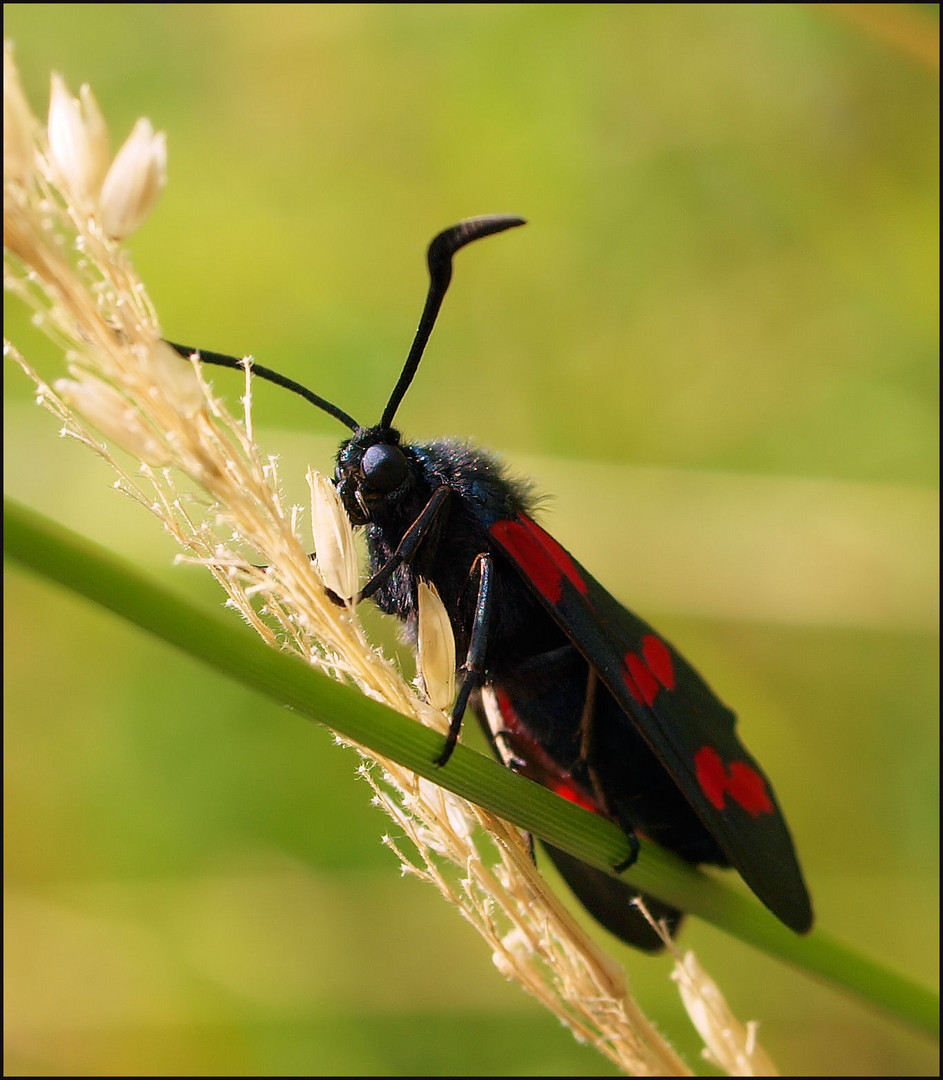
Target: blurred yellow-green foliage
(715,344)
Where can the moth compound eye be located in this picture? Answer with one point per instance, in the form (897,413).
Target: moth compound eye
(383,468)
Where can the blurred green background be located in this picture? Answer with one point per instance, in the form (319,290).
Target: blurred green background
(715,344)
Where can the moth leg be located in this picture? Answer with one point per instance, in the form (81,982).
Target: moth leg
(473,670)
(499,737)
(428,523)
(430,520)
(505,752)
(500,742)
(634,848)
(586,724)
(586,756)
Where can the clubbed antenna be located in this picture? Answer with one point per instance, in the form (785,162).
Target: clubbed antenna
(439,257)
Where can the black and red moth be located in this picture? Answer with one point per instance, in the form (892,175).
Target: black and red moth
(573,690)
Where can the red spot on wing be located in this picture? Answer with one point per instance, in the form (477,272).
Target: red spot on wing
(740,781)
(574,795)
(539,555)
(658,658)
(748,788)
(643,685)
(711,775)
(645,675)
